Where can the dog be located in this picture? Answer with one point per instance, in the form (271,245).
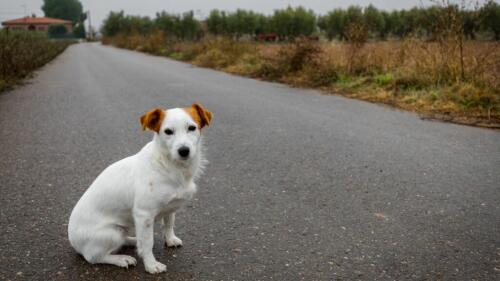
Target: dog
(122,204)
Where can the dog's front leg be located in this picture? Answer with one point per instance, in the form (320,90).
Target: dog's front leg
(168,229)
(144,227)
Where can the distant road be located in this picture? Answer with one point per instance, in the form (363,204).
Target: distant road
(300,186)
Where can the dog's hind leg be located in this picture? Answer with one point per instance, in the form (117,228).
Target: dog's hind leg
(119,260)
(104,242)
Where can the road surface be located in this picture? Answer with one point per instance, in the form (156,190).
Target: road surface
(300,186)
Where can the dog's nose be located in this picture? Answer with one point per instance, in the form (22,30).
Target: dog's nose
(183,151)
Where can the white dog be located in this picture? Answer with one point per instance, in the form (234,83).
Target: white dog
(123,203)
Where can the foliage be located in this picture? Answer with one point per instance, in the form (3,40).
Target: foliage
(291,22)
(64,9)
(21,52)
(415,21)
(333,24)
(184,27)
(79,30)
(57,31)
(491,18)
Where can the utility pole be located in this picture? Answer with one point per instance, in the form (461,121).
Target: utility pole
(90,25)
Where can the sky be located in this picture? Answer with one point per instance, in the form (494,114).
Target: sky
(99,9)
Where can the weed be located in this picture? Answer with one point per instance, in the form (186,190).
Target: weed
(383,80)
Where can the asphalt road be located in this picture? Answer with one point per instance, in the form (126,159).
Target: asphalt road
(300,185)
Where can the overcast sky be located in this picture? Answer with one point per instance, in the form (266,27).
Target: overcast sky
(10,9)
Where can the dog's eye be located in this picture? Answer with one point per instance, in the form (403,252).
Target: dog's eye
(169,132)
(192,128)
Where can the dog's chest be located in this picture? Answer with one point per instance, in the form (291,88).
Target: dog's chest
(178,197)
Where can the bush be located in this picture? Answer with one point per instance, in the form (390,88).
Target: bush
(383,80)
(21,52)
(290,58)
(79,31)
(57,31)
(221,52)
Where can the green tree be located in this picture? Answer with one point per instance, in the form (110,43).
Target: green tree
(79,30)
(57,31)
(374,20)
(490,15)
(189,27)
(333,23)
(262,24)
(169,23)
(184,27)
(293,22)
(113,24)
(216,22)
(354,14)
(388,25)
(64,9)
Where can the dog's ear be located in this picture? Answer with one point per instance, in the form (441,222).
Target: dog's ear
(152,119)
(204,115)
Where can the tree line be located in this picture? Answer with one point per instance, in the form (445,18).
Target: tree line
(293,22)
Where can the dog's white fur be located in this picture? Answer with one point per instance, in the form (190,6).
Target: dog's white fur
(123,203)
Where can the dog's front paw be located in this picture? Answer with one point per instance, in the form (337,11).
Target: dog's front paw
(155,267)
(173,241)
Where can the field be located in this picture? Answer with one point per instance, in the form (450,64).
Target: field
(21,52)
(411,74)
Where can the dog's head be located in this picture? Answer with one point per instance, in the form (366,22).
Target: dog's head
(178,130)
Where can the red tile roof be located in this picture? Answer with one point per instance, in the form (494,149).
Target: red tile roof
(40,20)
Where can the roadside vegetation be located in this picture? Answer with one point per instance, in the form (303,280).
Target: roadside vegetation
(442,61)
(21,52)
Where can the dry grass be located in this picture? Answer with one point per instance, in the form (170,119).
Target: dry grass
(412,74)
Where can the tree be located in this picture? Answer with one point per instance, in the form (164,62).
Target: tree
(216,22)
(113,24)
(354,14)
(293,22)
(64,9)
(388,25)
(490,15)
(281,22)
(190,28)
(79,30)
(57,31)
(333,23)
(374,20)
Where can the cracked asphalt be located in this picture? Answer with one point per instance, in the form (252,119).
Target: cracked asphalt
(300,185)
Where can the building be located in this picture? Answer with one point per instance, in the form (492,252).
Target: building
(36,23)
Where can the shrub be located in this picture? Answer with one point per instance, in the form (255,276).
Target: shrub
(57,31)
(357,34)
(21,52)
(221,52)
(383,80)
(296,55)
(79,30)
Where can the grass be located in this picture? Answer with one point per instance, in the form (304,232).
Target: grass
(412,74)
(21,52)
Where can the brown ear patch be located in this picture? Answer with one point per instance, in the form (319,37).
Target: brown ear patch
(152,119)
(199,114)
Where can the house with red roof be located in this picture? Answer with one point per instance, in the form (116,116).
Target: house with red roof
(36,23)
